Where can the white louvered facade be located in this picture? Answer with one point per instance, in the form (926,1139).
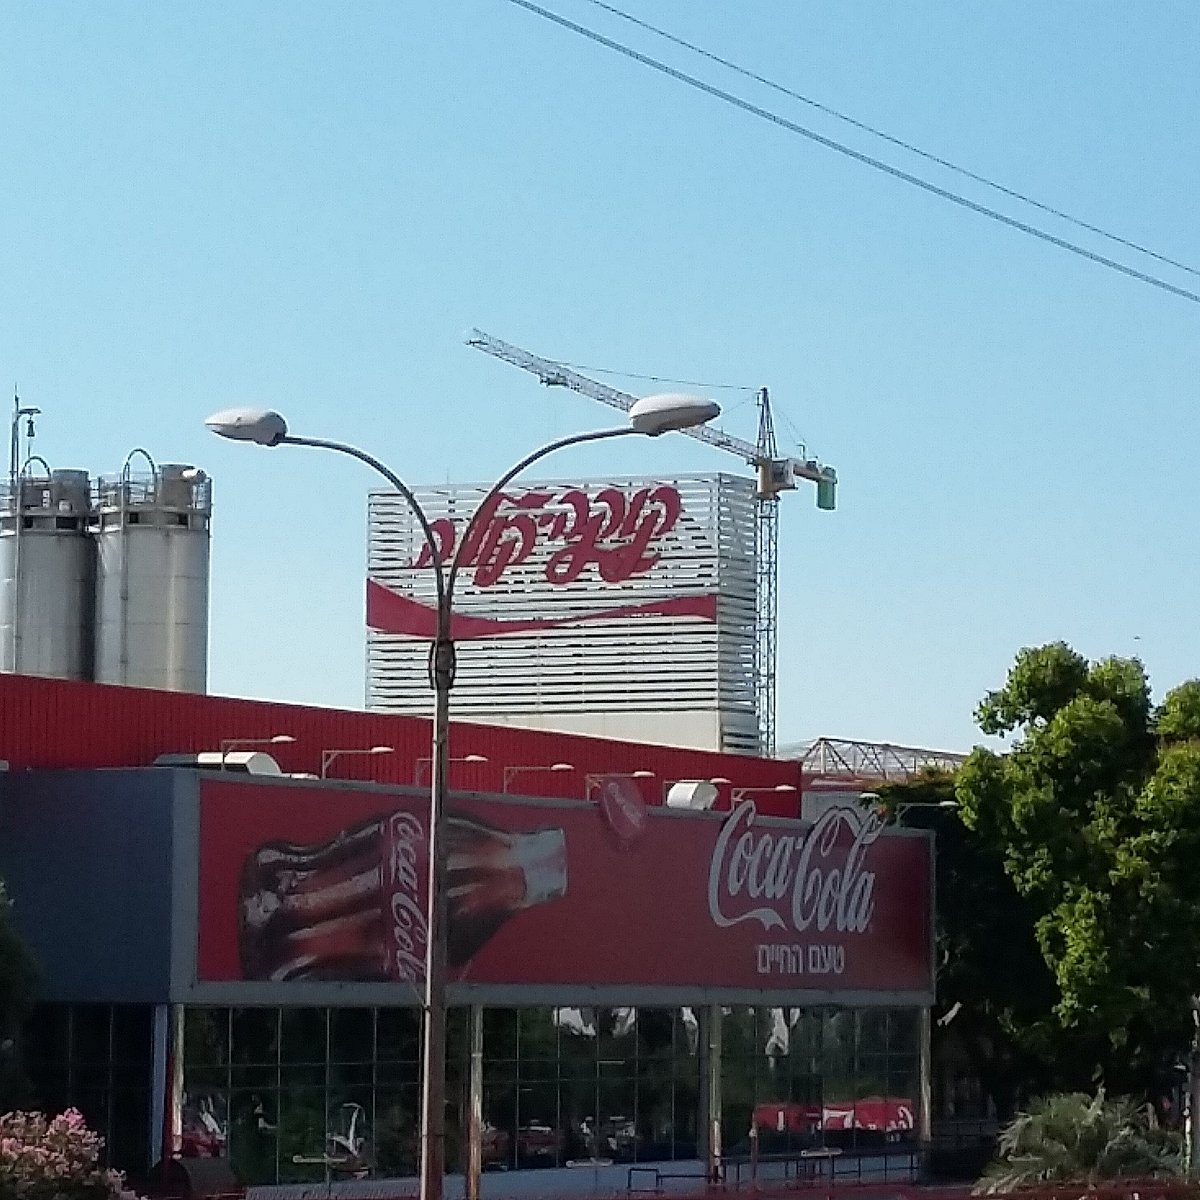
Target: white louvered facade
(680,678)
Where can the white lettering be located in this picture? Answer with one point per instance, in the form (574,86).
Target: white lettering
(812,877)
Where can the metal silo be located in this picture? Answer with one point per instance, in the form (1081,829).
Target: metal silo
(152,545)
(47,572)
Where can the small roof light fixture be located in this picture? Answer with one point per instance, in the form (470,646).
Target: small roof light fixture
(739,793)
(421,763)
(328,756)
(597,777)
(510,773)
(698,795)
(277,739)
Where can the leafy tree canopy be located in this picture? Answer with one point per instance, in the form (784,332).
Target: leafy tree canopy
(1095,815)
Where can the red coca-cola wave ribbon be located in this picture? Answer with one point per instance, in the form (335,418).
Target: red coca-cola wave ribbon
(390,612)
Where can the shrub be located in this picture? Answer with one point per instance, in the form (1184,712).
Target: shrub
(54,1158)
(1082,1139)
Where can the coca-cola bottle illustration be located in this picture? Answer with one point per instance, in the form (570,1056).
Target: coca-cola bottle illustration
(492,874)
(353,908)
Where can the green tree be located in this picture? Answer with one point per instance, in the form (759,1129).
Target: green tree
(1095,814)
(995,993)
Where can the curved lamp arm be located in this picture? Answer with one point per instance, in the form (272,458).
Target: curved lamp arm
(354,452)
(509,476)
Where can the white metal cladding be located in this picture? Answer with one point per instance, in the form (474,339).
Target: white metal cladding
(644,662)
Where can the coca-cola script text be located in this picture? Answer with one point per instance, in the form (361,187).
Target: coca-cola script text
(614,531)
(812,880)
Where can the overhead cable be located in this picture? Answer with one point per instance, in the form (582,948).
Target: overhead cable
(1012,193)
(857,155)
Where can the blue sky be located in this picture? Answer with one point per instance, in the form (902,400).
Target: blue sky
(306,205)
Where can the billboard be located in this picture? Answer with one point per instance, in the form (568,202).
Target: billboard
(581,606)
(558,897)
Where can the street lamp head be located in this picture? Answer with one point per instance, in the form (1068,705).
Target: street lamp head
(281,739)
(260,425)
(653,415)
(381,750)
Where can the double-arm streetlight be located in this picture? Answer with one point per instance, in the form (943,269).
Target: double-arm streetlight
(651,416)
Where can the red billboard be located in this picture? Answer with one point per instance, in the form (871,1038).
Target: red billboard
(305,883)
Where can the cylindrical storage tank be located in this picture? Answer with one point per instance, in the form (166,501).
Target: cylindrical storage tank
(47,573)
(152,548)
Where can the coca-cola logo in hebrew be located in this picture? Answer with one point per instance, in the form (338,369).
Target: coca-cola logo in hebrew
(613,531)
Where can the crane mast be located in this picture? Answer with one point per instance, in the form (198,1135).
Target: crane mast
(766,614)
(775,474)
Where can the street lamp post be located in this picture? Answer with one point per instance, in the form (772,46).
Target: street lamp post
(510,773)
(421,763)
(651,416)
(228,744)
(329,756)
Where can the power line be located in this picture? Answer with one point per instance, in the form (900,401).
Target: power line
(857,155)
(887,137)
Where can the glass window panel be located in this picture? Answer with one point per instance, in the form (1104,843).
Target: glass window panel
(301,1135)
(254,1035)
(502,1070)
(205,1079)
(545,1069)
(576,1033)
(687,1033)
(132,1033)
(90,1024)
(257,1076)
(300,1075)
(655,1114)
(871,1079)
(395,1132)
(398,1031)
(618,1125)
(351,1075)
(129,1133)
(499,1033)
(577,1118)
(538,1032)
(46,1036)
(390,1075)
(904,1030)
(539,1135)
(738,1033)
(837,1053)
(205,1114)
(93,1103)
(581,1068)
(351,1035)
(90,1077)
(686,1121)
(805,1047)
(305,1035)
(617,1028)
(253,1135)
(348,1129)
(499,1125)
(458,1047)
(206,1036)
(656,1033)
(873,1031)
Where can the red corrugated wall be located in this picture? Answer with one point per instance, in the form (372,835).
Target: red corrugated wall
(59,723)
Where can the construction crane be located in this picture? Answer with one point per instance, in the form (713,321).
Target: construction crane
(775,474)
